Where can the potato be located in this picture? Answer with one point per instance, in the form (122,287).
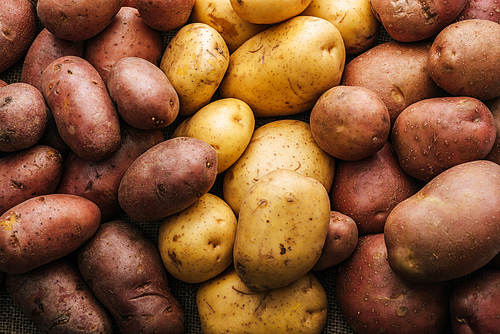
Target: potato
(367,190)
(226,124)
(23,116)
(196,244)
(284,143)
(167,178)
(474,303)
(84,113)
(282,228)
(355,20)
(28,173)
(18,26)
(3,83)
(76,20)
(373,299)
(142,93)
(98,181)
(45,49)
(126,36)
(52,138)
(220,15)
(433,135)
(350,122)
(415,20)
(165,15)
(464,59)
(287,56)
(195,61)
(397,72)
(268,12)
(450,227)
(227,305)
(57,299)
(480,9)
(494,106)
(340,242)
(124,271)
(43,229)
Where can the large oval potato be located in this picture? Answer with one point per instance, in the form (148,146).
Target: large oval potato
(272,70)
(268,11)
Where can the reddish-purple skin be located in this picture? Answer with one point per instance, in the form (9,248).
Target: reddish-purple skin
(481,9)
(165,15)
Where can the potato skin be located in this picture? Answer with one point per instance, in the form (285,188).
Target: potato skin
(480,9)
(165,15)
(494,106)
(124,270)
(268,12)
(45,228)
(167,178)
(57,299)
(29,173)
(85,115)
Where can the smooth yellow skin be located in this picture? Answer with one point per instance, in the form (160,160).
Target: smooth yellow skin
(195,61)
(284,69)
(355,20)
(281,231)
(196,244)
(226,305)
(268,11)
(285,144)
(226,124)
(220,15)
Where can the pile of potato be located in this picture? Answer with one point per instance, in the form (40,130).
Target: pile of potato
(267,142)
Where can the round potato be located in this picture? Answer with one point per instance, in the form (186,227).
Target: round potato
(226,124)
(196,244)
(268,11)
(165,15)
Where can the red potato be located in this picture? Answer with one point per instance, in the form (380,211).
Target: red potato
(481,9)
(43,229)
(3,83)
(126,36)
(165,15)
(494,106)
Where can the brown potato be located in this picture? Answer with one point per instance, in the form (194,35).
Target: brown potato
(167,178)
(464,59)
(433,135)
(43,229)
(28,173)
(480,9)
(125,271)
(126,36)
(57,299)
(85,115)
(165,15)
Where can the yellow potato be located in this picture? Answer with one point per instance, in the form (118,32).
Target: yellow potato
(281,231)
(268,11)
(226,305)
(220,15)
(196,244)
(195,62)
(355,20)
(285,69)
(287,144)
(226,124)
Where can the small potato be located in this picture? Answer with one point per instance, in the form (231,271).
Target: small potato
(167,178)
(165,15)
(226,305)
(226,124)
(350,122)
(125,272)
(23,116)
(464,59)
(29,173)
(480,9)
(268,11)
(196,244)
(57,299)
(340,243)
(43,229)
(195,61)
(143,95)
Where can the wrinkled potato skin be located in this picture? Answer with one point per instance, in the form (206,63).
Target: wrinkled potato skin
(423,240)
(57,299)
(433,135)
(366,282)
(464,59)
(227,305)
(268,12)
(29,173)
(85,115)
(480,9)
(165,15)
(43,229)
(125,271)
(167,178)
(126,36)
